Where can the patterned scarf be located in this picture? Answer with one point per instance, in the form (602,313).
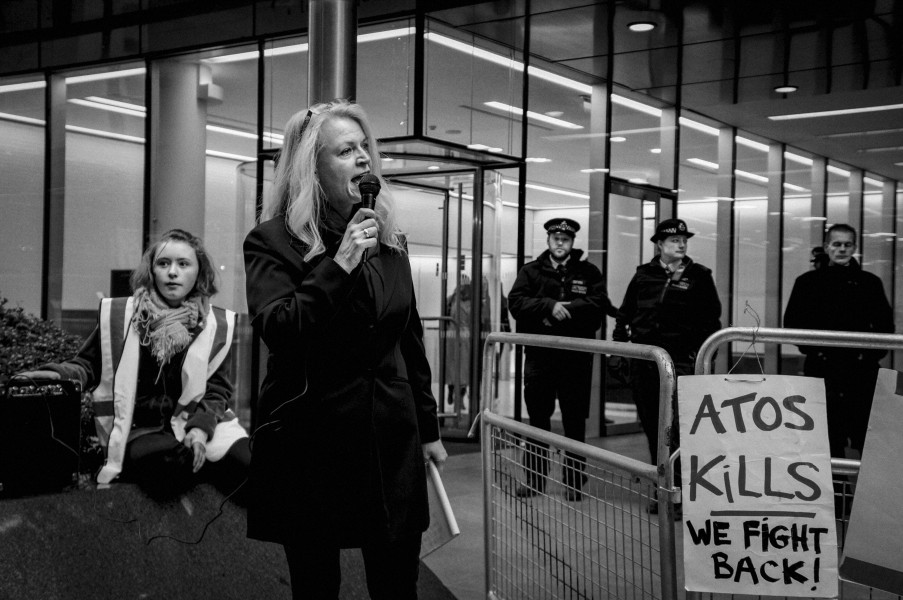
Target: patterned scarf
(165,329)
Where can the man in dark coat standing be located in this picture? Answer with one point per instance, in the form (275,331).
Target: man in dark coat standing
(672,303)
(842,297)
(558,294)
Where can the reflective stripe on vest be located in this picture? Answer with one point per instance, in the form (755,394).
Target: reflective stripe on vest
(114,397)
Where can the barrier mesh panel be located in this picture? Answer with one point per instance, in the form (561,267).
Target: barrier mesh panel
(565,528)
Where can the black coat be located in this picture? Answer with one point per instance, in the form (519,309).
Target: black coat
(840,298)
(675,315)
(346,402)
(539,286)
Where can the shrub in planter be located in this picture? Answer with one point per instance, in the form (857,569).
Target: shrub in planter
(26,342)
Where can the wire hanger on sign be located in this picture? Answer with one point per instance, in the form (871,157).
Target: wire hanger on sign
(752,344)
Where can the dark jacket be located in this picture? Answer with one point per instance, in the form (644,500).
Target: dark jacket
(346,401)
(840,298)
(677,315)
(539,286)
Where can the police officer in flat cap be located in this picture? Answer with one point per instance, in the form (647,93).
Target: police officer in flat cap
(561,295)
(671,302)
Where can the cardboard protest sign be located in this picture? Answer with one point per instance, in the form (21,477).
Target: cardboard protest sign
(756,486)
(873,547)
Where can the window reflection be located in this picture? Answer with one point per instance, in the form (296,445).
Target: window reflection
(698,197)
(837,209)
(877,236)
(635,141)
(750,220)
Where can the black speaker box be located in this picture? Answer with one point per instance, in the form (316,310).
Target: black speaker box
(40,425)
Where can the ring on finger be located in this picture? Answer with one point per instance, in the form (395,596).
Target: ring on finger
(366,233)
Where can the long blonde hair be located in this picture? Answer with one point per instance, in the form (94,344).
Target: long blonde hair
(297,192)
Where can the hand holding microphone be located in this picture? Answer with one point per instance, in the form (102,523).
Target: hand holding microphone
(369,187)
(362,233)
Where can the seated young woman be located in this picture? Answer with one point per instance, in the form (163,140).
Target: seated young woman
(159,370)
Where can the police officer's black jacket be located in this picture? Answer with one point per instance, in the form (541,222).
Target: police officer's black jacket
(674,314)
(539,286)
(840,299)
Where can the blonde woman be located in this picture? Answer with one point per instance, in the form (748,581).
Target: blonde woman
(346,411)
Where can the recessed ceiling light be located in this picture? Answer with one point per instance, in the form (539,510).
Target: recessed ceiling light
(537,159)
(655,150)
(594,170)
(786,89)
(618,138)
(641,26)
(433,168)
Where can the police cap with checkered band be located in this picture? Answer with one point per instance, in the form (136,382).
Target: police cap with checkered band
(670,227)
(566,226)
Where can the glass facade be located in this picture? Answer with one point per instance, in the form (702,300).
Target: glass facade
(22,122)
(567,133)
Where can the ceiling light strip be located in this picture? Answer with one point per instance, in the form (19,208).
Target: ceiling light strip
(698,126)
(21,119)
(508,63)
(105,134)
(303,47)
(514,110)
(108,107)
(751,144)
(703,163)
(637,106)
(230,156)
(873,182)
(798,159)
(838,171)
(551,190)
(21,87)
(120,104)
(751,176)
(106,75)
(834,113)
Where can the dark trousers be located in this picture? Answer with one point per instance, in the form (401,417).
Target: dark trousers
(849,389)
(646,389)
(392,570)
(567,377)
(163,466)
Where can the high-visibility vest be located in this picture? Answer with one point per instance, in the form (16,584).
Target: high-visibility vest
(114,397)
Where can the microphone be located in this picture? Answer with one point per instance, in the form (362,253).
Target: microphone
(369,188)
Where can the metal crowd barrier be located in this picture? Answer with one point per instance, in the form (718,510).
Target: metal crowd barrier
(844,471)
(601,541)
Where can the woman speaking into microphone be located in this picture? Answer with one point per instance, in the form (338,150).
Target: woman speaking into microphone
(347,418)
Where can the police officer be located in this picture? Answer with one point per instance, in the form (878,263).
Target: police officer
(558,294)
(671,302)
